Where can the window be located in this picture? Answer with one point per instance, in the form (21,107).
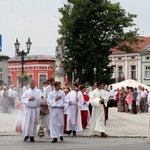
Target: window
(9,80)
(120,70)
(133,72)
(147,57)
(147,72)
(1,74)
(120,74)
(30,76)
(42,78)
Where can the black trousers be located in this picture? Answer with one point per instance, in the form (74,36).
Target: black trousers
(110,103)
(134,107)
(90,109)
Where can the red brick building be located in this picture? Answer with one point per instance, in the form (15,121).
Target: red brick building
(38,67)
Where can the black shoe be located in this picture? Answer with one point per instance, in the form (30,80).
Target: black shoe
(26,138)
(65,132)
(61,138)
(32,139)
(74,133)
(68,132)
(54,140)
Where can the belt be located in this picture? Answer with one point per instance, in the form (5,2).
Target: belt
(58,107)
(32,107)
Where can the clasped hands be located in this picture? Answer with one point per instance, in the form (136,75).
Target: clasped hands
(58,98)
(31,98)
(101,101)
(71,103)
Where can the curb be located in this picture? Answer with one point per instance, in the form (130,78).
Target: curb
(82,136)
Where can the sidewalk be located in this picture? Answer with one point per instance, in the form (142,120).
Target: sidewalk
(120,124)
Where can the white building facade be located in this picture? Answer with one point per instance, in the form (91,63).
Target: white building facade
(135,65)
(145,65)
(126,66)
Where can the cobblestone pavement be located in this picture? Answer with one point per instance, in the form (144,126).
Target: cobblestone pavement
(120,124)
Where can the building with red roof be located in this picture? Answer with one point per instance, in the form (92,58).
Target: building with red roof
(37,67)
(134,65)
(129,65)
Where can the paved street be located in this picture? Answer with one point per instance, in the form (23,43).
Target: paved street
(16,143)
(126,131)
(119,124)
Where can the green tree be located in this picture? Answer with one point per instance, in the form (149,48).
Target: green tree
(90,29)
(25,78)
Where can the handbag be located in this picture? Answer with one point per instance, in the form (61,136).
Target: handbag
(44,110)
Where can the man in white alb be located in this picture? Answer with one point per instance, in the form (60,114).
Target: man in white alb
(98,99)
(49,88)
(56,100)
(31,111)
(75,102)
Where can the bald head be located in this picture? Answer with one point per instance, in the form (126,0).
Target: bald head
(32,84)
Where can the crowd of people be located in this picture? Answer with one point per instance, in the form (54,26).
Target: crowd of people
(9,98)
(130,99)
(71,108)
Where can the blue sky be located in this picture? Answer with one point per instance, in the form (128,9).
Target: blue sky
(39,20)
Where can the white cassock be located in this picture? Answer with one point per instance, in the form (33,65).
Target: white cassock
(148,100)
(45,118)
(74,111)
(97,120)
(47,90)
(31,112)
(56,122)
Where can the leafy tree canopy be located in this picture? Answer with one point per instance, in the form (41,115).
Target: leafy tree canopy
(90,29)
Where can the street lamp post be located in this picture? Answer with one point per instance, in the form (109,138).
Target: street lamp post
(94,74)
(22,54)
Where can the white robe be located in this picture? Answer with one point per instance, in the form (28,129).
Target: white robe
(31,111)
(97,120)
(148,100)
(47,90)
(71,111)
(56,122)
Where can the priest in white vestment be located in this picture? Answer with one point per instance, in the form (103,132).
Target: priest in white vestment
(56,100)
(49,88)
(98,99)
(46,91)
(31,111)
(75,102)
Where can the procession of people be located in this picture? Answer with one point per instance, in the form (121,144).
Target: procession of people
(65,109)
(68,110)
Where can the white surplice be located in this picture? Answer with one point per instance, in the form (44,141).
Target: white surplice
(47,90)
(148,100)
(74,111)
(31,112)
(56,122)
(97,120)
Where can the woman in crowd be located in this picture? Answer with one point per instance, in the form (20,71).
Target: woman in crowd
(138,100)
(129,99)
(122,99)
(126,94)
(5,104)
